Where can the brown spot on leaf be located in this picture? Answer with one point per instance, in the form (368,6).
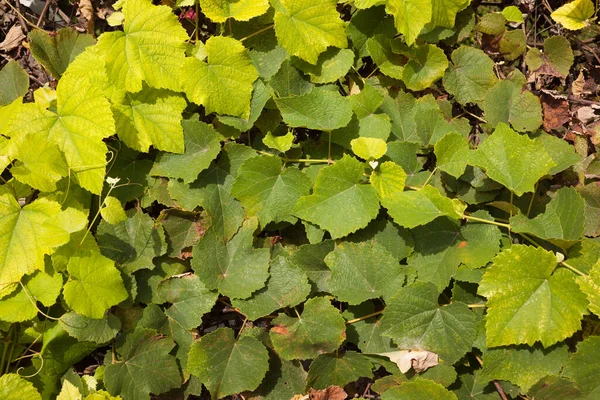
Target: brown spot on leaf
(280,329)
(462,244)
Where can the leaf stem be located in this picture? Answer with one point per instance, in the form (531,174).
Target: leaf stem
(428,178)
(485,221)
(572,268)
(355,320)
(476,305)
(256,33)
(34,302)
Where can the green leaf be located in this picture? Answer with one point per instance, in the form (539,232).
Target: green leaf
(583,367)
(21,304)
(362,271)
(368,148)
(14,82)
(418,207)
(560,151)
(289,81)
(401,111)
(380,48)
(221,10)
(590,285)
(56,52)
(145,366)
(332,370)
(228,366)
(492,24)
(527,302)
(151,48)
(506,102)
(410,16)
(320,329)
(513,44)
(27,235)
(332,65)
(113,212)
(15,387)
(224,83)
(366,102)
(89,329)
(470,76)
(554,387)
(261,94)
(388,179)
(311,259)
(151,117)
(512,159)
(523,366)
(452,153)
(574,15)
(189,299)
(396,240)
(562,222)
(236,269)
(340,202)
(94,286)
(287,287)
(283,380)
(444,11)
(133,243)
(268,190)
(426,65)
(306,28)
(418,389)
(512,14)
(320,109)
(556,59)
(202,145)
(415,321)
(280,143)
(366,333)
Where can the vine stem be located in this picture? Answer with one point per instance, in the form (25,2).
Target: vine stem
(355,320)
(485,221)
(572,268)
(33,302)
(256,33)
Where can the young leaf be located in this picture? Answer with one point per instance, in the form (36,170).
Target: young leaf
(574,15)
(527,302)
(444,11)
(340,203)
(189,299)
(410,16)
(287,287)
(452,154)
(388,179)
(228,366)
(590,285)
(512,159)
(320,329)
(21,306)
(220,11)
(202,145)
(362,271)
(236,269)
(415,321)
(151,48)
(583,367)
(470,76)
(113,212)
(306,28)
(224,83)
(368,148)
(145,366)
(15,387)
(268,190)
(330,369)
(418,207)
(320,109)
(94,286)
(14,82)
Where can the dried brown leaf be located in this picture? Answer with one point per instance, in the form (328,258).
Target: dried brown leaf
(330,393)
(13,38)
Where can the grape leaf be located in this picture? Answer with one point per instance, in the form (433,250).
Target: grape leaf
(145,366)
(202,145)
(452,153)
(415,321)
(366,333)
(15,387)
(425,66)
(21,306)
(470,76)
(418,207)
(311,259)
(224,83)
(330,369)
(362,271)
(320,329)
(268,190)
(287,287)
(444,11)
(584,369)
(289,81)
(368,148)
(27,235)
(227,366)
(90,329)
(331,65)
(410,16)
(94,286)
(340,203)
(527,302)
(236,269)
(150,117)
(150,48)
(320,109)
(189,299)
(221,10)
(512,159)
(418,389)
(590,285)
(306,28)
(574,15)
(283,380)
(14,82)
(523,366)
(113,212)
(561,152)
(132,243)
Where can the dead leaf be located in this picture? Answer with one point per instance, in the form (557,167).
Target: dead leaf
(13,38)
(417,360)
(577,87)
(330,393)
(86,10)
(587,114)
(556,111)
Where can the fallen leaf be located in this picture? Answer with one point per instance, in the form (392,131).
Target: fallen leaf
(587,114)
(417,360)
(86,10)
(556,111)
(577,87)
(330,393)
(13,38)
